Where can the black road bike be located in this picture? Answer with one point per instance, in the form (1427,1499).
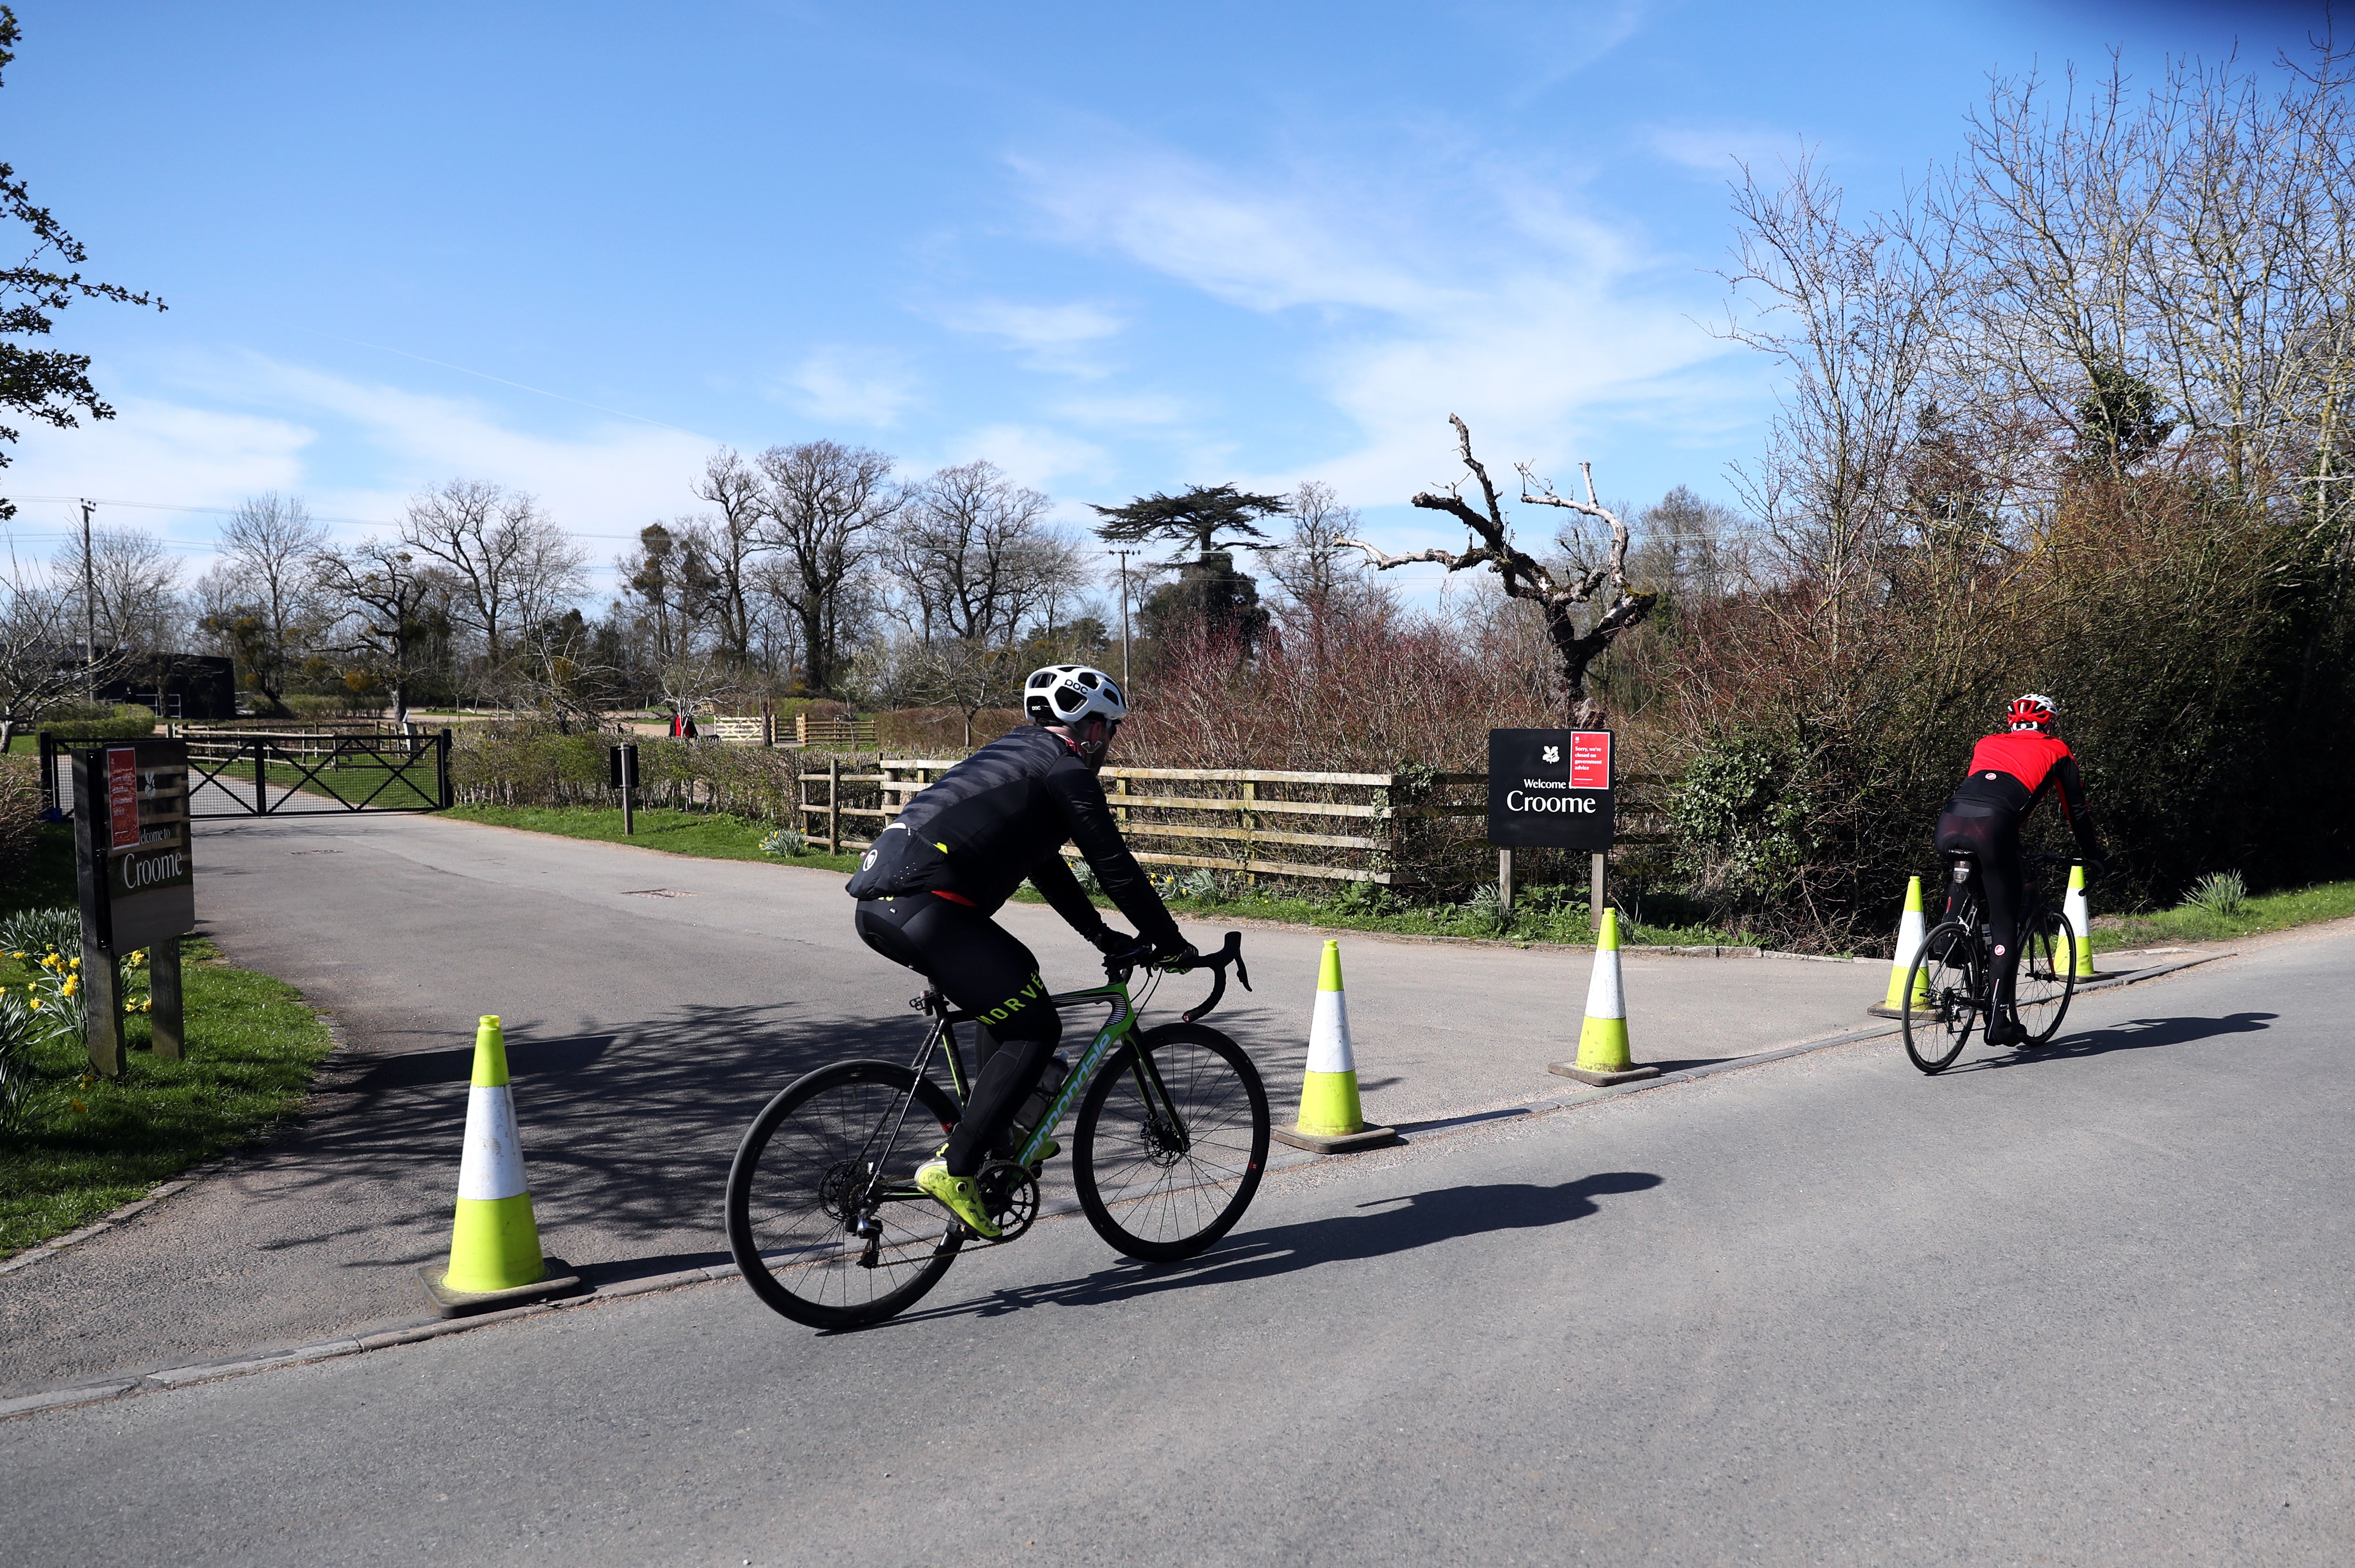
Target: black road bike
(830,1228)
(1950,990)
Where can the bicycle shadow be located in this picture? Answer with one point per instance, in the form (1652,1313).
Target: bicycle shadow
(2135,1034)
(1401,1225)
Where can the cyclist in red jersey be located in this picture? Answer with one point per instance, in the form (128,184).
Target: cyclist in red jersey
(2010,772)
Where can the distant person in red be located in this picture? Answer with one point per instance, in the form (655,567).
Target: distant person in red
(682,725)
(2010,772)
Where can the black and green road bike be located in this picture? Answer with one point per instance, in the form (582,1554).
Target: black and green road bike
(1950,989)
(830,1228)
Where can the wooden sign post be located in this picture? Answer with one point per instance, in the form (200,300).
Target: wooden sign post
(138,885)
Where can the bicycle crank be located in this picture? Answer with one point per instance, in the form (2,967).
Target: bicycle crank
(1010,1193)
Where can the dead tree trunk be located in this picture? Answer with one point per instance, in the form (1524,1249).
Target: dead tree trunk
(1557,598)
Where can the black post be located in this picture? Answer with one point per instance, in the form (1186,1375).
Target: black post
(101,985)
(441,772)
(260,778)
(169,1040)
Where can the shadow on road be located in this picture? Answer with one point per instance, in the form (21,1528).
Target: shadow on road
(1377,1229)
(2136,1034)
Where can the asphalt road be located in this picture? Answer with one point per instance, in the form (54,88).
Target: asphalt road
(2088,1305)
(652,1004)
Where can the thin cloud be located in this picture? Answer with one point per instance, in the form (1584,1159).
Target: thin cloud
(857,386)
(1487,291)
(1058,338)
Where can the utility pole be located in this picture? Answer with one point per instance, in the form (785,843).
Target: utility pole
(1123,555)
(88,609)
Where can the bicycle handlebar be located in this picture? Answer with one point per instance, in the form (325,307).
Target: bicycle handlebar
(1231,953)
(1119,966)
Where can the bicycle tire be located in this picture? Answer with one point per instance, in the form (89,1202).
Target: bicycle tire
(2048,975)
(1148,1194)
(1941,992)
(787,1228)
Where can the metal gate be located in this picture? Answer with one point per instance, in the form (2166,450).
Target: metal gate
(255,772)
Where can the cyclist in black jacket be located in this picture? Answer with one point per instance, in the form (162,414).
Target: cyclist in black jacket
(931,882)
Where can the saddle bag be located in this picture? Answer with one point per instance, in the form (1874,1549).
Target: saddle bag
(899,862)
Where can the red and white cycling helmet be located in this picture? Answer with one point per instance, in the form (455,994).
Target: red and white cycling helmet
(2034,711)
(1068,693)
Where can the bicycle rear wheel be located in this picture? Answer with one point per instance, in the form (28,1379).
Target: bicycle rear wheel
(1942,996)
(1171,1142)
(818,1160)
(2048,975)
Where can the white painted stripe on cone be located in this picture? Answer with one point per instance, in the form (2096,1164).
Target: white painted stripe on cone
(1604,999)
(492,1166)
(1328,1034)
(1910,932)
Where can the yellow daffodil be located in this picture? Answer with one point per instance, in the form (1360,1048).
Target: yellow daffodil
(147,1006)
(37,1004)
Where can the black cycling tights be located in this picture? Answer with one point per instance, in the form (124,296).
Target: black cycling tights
(1994,838)
(982,970)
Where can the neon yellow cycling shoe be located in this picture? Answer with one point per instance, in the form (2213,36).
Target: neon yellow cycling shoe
(960,1195)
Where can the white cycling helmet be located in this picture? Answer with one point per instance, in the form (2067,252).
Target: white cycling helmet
(1068,693)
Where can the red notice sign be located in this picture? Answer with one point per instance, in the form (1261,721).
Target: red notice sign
(1590,758)
(123,795)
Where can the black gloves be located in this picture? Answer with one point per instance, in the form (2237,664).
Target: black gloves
(1109,942)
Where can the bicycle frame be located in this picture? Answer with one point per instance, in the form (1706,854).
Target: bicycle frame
(1973,914)
(1117,1028)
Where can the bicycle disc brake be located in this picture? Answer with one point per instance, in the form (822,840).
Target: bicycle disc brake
(1010,1193)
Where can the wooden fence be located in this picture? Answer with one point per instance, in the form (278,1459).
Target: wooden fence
(835,735)
(1395,829)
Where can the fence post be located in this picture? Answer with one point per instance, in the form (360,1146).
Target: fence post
(834,805)
(260,778)
(1251,827)
(442,771)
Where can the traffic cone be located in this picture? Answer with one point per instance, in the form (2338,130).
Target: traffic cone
(2080,916)
(494,1257)
(1331,1119)
(1602,1039)
(1910,932)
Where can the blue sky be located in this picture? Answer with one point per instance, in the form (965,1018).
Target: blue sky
(1113,248)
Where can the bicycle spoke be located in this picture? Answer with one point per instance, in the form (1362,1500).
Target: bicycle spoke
(1171,1155)
(819,1164)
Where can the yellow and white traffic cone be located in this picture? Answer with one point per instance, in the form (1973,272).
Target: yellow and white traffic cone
(493,1241)
(2080,916)
(1332,1121)
(1911,930)
(1603,1056)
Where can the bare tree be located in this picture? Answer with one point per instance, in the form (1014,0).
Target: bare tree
(973,557)
(133,582)
(1558,600)
(41,661)
(671,587)
(261,601)
(825,502)
(733,485)
(389,602)
(507,559)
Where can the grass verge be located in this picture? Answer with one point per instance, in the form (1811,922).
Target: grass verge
(2256,914)
(89,1144)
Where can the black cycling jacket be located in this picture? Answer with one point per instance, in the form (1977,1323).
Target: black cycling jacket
(1002,814)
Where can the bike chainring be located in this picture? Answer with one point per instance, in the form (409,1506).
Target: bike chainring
(1010,1193)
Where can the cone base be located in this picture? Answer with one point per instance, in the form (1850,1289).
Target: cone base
(1336,1143)
(560,1280)
(1601,1080)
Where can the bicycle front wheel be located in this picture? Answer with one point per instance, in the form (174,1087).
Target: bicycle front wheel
(824,1217)
(2048,975)
(1171,1142)
(1942,996)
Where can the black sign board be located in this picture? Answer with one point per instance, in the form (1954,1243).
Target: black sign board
(1549,789)
(622,764)
(131,834)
